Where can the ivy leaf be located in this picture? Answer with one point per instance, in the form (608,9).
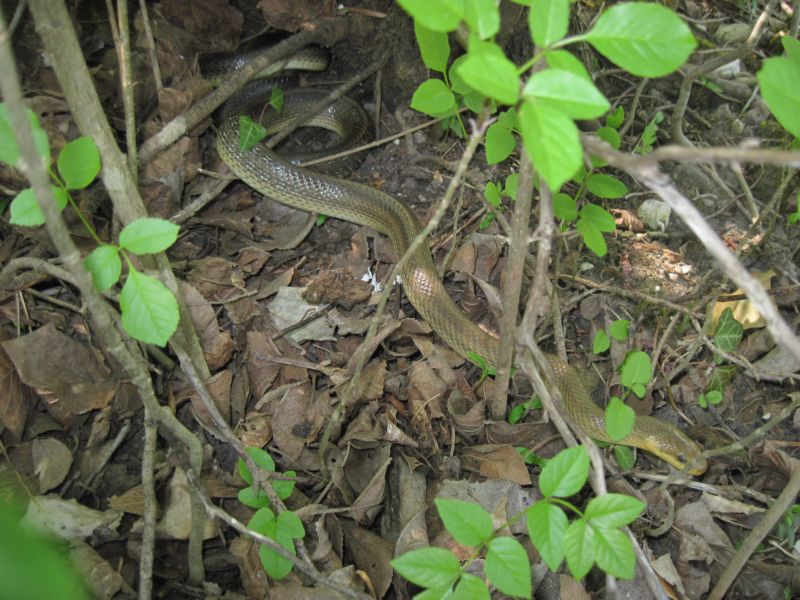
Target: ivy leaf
(729,331)
(250,133)
(647,40)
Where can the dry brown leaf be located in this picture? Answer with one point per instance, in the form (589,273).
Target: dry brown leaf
(371,554)
(52,461)
(496,462)
(49,360)
(217,344)
(15,399)
(103,580)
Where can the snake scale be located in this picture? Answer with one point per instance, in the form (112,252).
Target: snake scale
(276,177)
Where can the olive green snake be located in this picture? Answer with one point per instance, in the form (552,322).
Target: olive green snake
(278,178)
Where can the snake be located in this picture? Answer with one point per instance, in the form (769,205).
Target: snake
(280,178)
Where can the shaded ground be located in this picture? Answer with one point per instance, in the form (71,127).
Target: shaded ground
(418,427)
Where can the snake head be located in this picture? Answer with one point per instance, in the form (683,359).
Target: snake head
(679,450)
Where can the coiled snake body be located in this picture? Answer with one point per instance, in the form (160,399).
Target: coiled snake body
(280,179)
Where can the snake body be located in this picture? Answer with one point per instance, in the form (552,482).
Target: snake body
(276,177)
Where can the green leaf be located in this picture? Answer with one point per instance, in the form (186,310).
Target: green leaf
(567,92)
(261,458)
(434,46)
(250,133)
(548,21)
(598,216)
(470,587)
(79,163)
(566,473)
(276,99)
(149,310)
(487,70)
(613,552)
(433,98)
(636,369)
(290,524)
(25,209)
(552,140)
(284,487)
(601,342)
(457,84)
(467,522)
(428,567)
(492,194)
(566,61)
(625,457)
(616,118)
(619,419)
(712,397)
(647,40)
(610,135)
(507,567)
(592,222)
(778,79)
(579,548)
(105,266)
(547,525)
(614,510)
(512,185)
(729,331)
(619,329)
(483,17)
(262,521)
(148,235)
(440,593)
(564,207)
(592,237)
(9,151)
(437,15)
(274,564)
(606,186)
(649,135)
(500,143)
(792,47)
(253,498)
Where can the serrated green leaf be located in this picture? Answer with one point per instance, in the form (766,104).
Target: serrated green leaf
(579,548)
(636,369)
(470,587)
(619,329)
(551,138)
(778,79)
(428,567)
(564,207)
(437,15)
(601,342)
(567,92)
(566,61)
(483,17)
(547,525)
(79,163)
(500,143)
(619,419)
(507,567)
(148,235)
(647,40)
(566,473)
(149,310)
(487,70)
(250,133)
(467,522)
(433,98)
(25,209)
(548,21)
(290,524)
(105,266)
(434,47)
(614,510)
(613,552)
(606,186)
